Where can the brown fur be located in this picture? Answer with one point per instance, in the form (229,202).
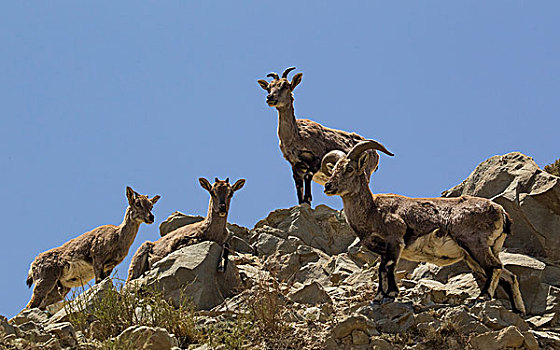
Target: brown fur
(212,228)
(93,254)
(437,230)
(304,142)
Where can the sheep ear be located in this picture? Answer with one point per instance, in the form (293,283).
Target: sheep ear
(205,184)
(296,80)
(238,185)
(363,161)
(130,195)
(263,84)
(330,168)
(155,199)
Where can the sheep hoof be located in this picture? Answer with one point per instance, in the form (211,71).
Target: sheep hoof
(387,300)
(221,269)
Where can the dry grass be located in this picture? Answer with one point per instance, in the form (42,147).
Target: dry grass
(553,168)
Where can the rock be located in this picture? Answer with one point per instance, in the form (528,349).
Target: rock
(346,327)
(496,317)
(547,339)
(147,338)
(390,317)
(176,220)
(193,271)
(311,294)
(32,332)
(462,320)
(36,315)
(341,267)
(380,344)
(64,332)
(322,228)
(359,337)
(530,195)
(361,255)
(83,301)
(5,327)
(509,337)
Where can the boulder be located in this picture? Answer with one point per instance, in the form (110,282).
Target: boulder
(192,271)
(5,327)
(36,315)
(83,301)
(311,294)
(146,338)
(530,195)
(322,228)
(509,337)
(496,317)
(64,332)
(347,326)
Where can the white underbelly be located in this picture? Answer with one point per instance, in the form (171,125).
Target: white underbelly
(441,251)
(77,273)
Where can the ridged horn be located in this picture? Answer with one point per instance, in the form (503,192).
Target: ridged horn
(273,76)
(287,71)
(362,146)
(331,158)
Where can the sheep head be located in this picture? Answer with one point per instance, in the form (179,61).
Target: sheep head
(140,206)
(346,171)
(221,193)
(280,89)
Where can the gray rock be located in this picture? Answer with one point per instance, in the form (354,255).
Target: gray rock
(547,339)
(5,327)
(347,326)
(193,271)
(390,317)
(322,228)
(147,338)
(359,337)
(462,320)
(509,337)
(530,195)
(311,294)
(82,302)
(496,317)
(64,332)
(36,315)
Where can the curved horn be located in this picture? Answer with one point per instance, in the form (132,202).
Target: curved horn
(330,159)
(287,71)
(273,76)
(364,146)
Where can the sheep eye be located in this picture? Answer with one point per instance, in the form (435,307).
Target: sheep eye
(138,204)
(349,169)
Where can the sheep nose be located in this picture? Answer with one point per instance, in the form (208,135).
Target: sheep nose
(151,217)
(328,186)
(222,207)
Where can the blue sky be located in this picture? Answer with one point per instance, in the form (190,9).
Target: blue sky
(99,95)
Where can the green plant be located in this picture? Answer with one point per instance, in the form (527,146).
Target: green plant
(119,308)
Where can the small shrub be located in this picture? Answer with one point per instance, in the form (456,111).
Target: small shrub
(553,168)
(119,308)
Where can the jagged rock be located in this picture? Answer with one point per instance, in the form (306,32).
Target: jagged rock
(462,320)
(496,317)
(361,255)
(547,339)
(147,338)
(36,315)
(311,294)
(322,228)
(530,195)
(347,326)
(359,337)
(5,327)
(32,332)
(176,220)
(340,267)
(390,317)
(83,301)
(455,291)
(380,344)
(64,332)
(193,271)
(509,337)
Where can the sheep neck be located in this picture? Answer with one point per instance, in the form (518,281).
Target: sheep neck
(128,229)
(358,207)
(287,127)
(214,223)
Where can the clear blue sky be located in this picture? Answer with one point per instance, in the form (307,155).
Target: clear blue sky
(99,95)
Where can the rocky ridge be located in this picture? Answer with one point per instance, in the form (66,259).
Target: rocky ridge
(301,280)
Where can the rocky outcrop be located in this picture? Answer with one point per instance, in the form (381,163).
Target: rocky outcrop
(192,272)
(531,197)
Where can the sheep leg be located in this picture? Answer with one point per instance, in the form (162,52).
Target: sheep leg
(481,259)
(390,260)
(224,259)
(298,179)
(43,288)
(99,271)
(511,285)
(307,182)
(140,261)
(57,294)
